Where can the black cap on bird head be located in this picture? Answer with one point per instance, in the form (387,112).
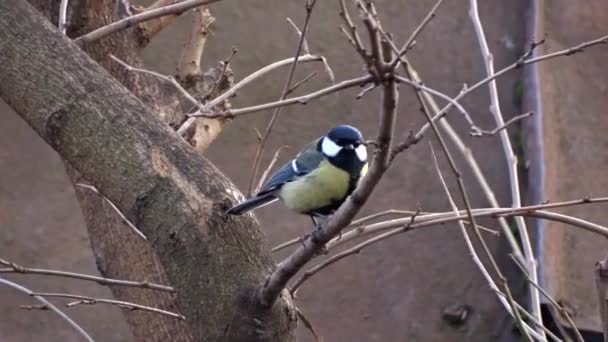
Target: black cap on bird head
(345,135)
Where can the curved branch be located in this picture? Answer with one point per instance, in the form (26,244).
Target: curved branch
(250,78)
(48,305)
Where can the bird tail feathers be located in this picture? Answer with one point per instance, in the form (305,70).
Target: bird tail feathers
(252,203)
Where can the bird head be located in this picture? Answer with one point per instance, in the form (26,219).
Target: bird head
(342,141)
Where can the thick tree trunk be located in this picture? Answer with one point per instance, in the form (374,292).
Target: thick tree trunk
(118,251)
(173,195)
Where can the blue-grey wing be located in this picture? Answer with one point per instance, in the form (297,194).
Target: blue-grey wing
(308,160)
(284,174)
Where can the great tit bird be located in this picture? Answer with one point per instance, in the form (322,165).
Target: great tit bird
(319,179)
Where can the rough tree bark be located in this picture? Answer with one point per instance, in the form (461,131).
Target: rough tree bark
(173,195)
(118,251)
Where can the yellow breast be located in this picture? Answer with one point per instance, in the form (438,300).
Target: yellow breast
(320,188)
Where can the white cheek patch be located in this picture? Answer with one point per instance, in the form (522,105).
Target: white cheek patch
(330,148)
(361,153)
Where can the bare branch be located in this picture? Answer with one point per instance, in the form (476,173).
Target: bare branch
(169,79)
(353,250)
(15,268)
(601,283)
(225,64)
(122,216)
(356,224)
(524,60)
(63,14)
(425,220)
(49,306)
(131,21)
(511,159)
(353,37)
(308,325)
(302,45)
(250,78)
(151,28)
(304,99)
(553,302)
(190,59)
(509,303)
(504,126)
(422,87)
(412,39)
(120,304)
(301,82)
(305,47)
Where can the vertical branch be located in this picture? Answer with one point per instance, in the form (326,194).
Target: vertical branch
(286,87)
(63,14)
(601,282)
(190,60)
(511,163)
(468,156)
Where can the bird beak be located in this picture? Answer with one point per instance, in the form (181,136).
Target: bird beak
(349,147)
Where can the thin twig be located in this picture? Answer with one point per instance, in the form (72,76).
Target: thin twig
(422,87)
(353,37)
(63,14)
(15,268)
(466,153)
(511,121)
(262,143)
(519,63)
(225,64)
(304,99)
(509,302)
(353,250)
(511,159)
(119,303)
(122,216)
(441,218)
(245,81)
(131,21)
(273,161)
(358,228)
(305,47)
(412,39)
(301,82)
(48,305)
(308,325)
(395,227)
(160,76)
(553,302)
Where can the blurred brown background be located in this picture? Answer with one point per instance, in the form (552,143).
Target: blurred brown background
(395,290)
